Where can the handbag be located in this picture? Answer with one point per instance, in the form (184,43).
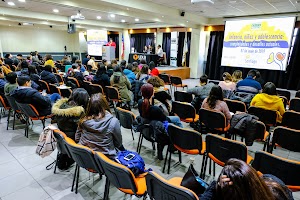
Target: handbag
(192,181)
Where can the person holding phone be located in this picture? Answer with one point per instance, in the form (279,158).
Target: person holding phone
(99,129)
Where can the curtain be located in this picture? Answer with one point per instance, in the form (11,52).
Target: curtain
(189,37)
(181,38)
(139,41)
(288,79)
(115,38)
(166,46)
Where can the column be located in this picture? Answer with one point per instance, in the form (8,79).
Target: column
(126,37)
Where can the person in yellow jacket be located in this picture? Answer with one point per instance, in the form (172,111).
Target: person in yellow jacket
(49,60)
(269,100)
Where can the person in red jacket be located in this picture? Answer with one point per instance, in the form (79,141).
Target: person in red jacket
(154,70)
(111,43)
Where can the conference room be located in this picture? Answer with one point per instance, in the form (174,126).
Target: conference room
(149,99)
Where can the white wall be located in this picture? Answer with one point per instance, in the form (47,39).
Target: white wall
(27,39)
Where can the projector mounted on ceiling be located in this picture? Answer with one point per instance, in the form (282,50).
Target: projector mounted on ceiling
(78,16)
(200,1)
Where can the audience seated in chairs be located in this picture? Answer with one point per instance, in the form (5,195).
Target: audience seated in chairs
(216,102)
(121,82)
(237,76)
(33,73)
(227,83)
(129,73)
(12,83)
(101,78)
(48,76)
(269,100)
(153,69)
(99,129)
(143,75)
(26,94)
(249,84)
(75,73)
(200,92)
(135,68)
(238,180)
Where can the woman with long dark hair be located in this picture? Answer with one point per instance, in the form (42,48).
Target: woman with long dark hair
(143,75)
(99,129)
(215,101)
(101,77)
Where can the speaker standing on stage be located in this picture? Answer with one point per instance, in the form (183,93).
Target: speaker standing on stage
(160,53)
(111,43)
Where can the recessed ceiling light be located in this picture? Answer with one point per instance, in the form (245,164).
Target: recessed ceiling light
(127,8)
(187,21)
(232,1)
(11,3)
(162,16)
(123,21)
(22,0)
(98,17)
(112,15)
(55,10)
(9,25)
(136,19)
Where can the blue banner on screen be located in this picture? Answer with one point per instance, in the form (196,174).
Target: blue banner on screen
(95,40)
(259,43)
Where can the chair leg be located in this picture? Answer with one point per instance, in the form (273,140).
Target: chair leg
(56,163)
(165,160)
(132,134)
(8,117)
(169,163)
(179,155)
(27,127)
(106,190)
(14,120)
(209,167)
(141,143)
(153,146)
(43,122)
(77,180)
(75,173)
(137,148)
(202,173)
(214,172)
(205,165)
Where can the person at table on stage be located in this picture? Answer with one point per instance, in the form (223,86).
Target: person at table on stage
(149,49)
(111,43)
(145,49)
(160,53)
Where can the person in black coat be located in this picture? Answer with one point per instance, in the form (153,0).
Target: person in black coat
(26,94)
(48,76)
(101,77)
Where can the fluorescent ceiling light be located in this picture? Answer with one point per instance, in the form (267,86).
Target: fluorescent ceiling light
(11,3)
(99,17)
(123,21)
(55,10)
(136,20)
(112,15)
(22,0)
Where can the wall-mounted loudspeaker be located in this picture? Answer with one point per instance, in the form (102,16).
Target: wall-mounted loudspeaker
(71,28)
(182,13)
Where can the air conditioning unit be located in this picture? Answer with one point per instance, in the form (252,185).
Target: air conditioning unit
(200,1)
(78,16)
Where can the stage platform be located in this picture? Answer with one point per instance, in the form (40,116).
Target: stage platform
(182,72)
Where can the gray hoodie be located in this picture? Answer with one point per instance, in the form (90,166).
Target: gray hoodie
(103,135)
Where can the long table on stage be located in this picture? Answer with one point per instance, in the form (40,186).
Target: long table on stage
(182,72)
(137,57)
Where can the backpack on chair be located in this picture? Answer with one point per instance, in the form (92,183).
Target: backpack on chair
(47,142)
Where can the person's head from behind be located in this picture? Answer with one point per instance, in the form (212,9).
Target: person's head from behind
(110,67)
(87,55)
(80,97)
(123,63)
(117,77)
(19,56)
(24,64)
(203,79)
(147,93)
(244,183)
(270,89)
(104,62)
(101,69)
(48,68)
(237,75)
(32,69)
(78,62)
(135,64)
(114,61)
(8,55)
(258,75)
(226,76)
(48,57)
(24,81)
(75,66)
(97,106)
(129,66)
(280,192)
(145,69)
(143,62)
(151,65)
(11,77)
(252,73)
(156,81)
(216,93)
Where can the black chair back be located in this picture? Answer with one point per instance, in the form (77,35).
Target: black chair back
(165,78)
(44,85)
(158,188)
(59,78)
(54,89)
(95,88)
(125,117)
(216,82)
(61,143)
(291,119)
(284,93)
(221,149)
(183,110)
(297,94)
(12,103)
(86,86)
(212,119)
(268,117)
(285,101)
(235,105)
(4,103)
(185,139)
(286,138)
(285,169)
(113,93)
(29,110)
(74,81)
(295,104)
(175,80)
(147,131)
(182,96)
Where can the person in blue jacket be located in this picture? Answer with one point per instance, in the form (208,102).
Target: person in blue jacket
(129,73)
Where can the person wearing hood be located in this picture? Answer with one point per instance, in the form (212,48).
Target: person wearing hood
(121,82)
(48,76)
(129,74)
(99,129)
(269,100)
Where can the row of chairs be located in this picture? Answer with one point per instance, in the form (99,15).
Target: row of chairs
(172,81)
(118,175)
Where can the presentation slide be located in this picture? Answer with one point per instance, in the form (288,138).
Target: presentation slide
(259,43)
(95,40)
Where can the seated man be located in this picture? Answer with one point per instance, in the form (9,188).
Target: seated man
(249,84)
(200,92)
(26,94)
(160,53)
(2,81)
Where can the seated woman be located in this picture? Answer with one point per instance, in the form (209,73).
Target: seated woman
(269,100)
(120,81)
(153,69)
(99,129)
(238,180)
(216,102)
(237,75)
(143,75)
(48,76)
(227,83)
(101,77)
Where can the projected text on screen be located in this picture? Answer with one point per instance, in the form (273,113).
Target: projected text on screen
(261,44)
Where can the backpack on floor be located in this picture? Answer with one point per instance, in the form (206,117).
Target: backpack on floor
(47,142)
(133,161)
